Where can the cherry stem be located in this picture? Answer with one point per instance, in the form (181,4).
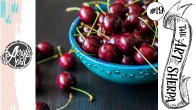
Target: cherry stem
(95,30)
(143,12)
(97,5)
(70,99)
(80,90)
(132,3)
(47,59)
(108,5)
(59,50)
(71,50)
(100,2)
(93,24)
(80,33)
(146,60)
(72,9)
(154,35)
(84,34)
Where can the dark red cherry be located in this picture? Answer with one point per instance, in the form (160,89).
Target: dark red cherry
(42,106)
(113,39)
(67,61)
(137,34)
(108,52)
(91,45)
(112,24)
(126,42)
(45,49)
(38,83)
(121,1)
(127,60)
(148,52)
(65,80)
(80,40)
(143,26)
(131,21)
(156,43)
(100,19)
(87,14)
(117,8)
(134,8)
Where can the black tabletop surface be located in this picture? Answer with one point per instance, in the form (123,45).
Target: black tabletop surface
(52,25)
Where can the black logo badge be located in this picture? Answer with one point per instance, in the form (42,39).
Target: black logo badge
(17,55)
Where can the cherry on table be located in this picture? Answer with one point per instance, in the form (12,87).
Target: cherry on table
(148,52)
(45,49)
(126,42)
(67,61)
(112,24)
(87,14)
(42,106)
(108,52)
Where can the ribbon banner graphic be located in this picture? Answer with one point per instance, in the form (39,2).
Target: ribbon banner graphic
(174,85)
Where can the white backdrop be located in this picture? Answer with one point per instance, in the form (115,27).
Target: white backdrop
(165,37)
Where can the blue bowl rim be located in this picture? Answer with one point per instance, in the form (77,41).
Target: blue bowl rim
(99,61)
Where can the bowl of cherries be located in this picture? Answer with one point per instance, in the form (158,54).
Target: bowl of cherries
(117,41)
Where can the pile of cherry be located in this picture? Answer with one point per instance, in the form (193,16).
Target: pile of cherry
(123,34)
(65,80)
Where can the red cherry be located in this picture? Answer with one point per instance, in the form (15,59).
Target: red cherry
(87,14)
(42,106)
(145,25)
(148,52)
(134,8)
(138,36)
(67,61)
(112,24)
(117,8)
(100,19)
(131,21)
(45,49)
(91,45)
(108,52)
(65,80)
(126,42)
(80,40)
(126,60)
(113,39)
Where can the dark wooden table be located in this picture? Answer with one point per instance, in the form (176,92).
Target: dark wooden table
(52,25)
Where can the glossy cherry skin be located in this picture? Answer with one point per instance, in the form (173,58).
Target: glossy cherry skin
(80,40)
(91,45)
(65,80)
(38,83)
(108,52)
(143,27)
(156,43)
(118,8)
(87,14)
(100,19)
(113,39)
(134,8)
(67,61)
(42,106)
(131,21)
(45,49)
(112,24)
(148,52)
(126,42)
(138,36)
(126,60)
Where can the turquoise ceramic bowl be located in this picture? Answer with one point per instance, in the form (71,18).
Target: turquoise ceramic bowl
(125,74)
